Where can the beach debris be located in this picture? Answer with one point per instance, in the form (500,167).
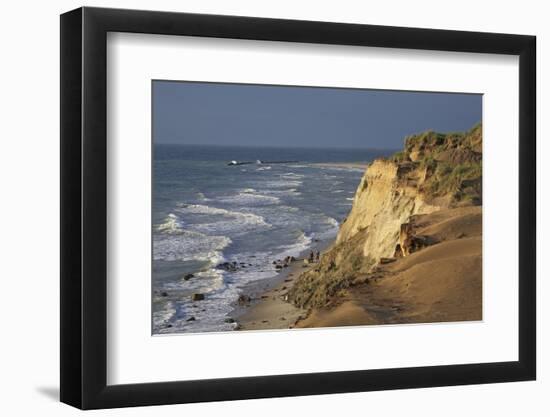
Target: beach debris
(197,297)
(187,277)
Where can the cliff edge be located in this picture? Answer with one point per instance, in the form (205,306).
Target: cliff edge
(434,172)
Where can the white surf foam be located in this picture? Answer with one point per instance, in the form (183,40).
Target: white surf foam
(187,245)
(249,198)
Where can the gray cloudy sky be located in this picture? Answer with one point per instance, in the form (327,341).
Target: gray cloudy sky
(256,115)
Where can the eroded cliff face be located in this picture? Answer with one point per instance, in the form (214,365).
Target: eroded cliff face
(385,199)
(434,171)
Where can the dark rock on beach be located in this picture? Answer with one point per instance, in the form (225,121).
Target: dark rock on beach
(197,297)
(192,318)
(228,266)
(243,299)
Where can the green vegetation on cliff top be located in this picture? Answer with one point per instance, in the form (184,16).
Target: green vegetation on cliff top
(452,163)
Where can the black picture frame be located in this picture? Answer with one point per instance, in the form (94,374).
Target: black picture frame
(84,207)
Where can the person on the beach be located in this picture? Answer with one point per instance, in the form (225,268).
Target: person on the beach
(311,257)
(317,256)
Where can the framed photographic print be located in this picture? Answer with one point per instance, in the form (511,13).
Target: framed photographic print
(257,208)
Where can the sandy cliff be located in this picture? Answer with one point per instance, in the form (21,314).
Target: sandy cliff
(435,173)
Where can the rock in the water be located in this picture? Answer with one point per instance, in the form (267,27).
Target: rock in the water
(228,266)
(229,320)
(192,318)
(164,294)
(187,277)
(197,297)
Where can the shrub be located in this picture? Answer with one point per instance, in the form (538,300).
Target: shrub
(401,156)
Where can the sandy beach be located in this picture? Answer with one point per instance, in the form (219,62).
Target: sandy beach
(269,307)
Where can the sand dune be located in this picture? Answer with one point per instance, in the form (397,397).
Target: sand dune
(441,282)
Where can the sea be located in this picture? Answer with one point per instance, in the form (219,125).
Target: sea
(206,213)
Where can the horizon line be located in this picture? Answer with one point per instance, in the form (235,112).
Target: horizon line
(275,146)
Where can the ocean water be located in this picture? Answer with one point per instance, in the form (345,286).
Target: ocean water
(206,213)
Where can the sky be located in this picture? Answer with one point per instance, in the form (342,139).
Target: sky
(281,116)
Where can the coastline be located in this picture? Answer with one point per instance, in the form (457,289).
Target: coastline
(406,290)
(408,251)
(268,309)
